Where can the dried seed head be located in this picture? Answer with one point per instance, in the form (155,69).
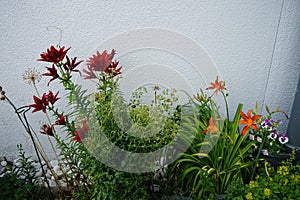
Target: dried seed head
(2,94)
(155,88)
(2,97)
(31,76)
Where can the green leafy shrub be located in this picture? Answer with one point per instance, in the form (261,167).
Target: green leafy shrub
(217,156)
(281,182)
(276,183)
(20,181)
(88,114)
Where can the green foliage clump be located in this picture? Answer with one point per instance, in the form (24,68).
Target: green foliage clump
(19,182)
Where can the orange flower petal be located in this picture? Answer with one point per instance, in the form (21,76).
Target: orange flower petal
(242,122)
(255,117)
(249,113)
(243,115)
(254,127)
(244,130)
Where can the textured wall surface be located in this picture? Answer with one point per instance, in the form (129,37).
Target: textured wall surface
(254,44)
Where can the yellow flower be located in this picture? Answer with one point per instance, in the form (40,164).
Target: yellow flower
(271,179)
(249,196)
(286,181)
(267,192)
(252,184)
(283,170)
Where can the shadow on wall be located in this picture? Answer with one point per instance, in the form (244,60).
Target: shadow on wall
(294,123)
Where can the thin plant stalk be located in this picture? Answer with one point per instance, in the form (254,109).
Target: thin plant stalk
(51,144)
(26,125)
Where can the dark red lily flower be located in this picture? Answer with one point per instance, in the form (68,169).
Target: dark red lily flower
(100,62)
(40,104)
(89,73)
(54,55)
(81,133)
(52,72)
(61,120)
(72,64)
(52,98)
(112,69)
(47,130)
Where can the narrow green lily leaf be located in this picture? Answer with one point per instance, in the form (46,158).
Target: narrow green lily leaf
(201,154)
(235,123)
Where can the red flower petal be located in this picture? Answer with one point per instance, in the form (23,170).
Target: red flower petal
(54,55)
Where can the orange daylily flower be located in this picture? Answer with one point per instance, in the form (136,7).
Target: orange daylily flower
(249,120)
(217,86)
(212,128)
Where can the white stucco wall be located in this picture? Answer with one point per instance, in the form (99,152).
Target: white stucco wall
(255,50)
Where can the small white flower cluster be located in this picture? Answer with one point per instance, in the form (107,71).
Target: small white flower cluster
(255,138)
